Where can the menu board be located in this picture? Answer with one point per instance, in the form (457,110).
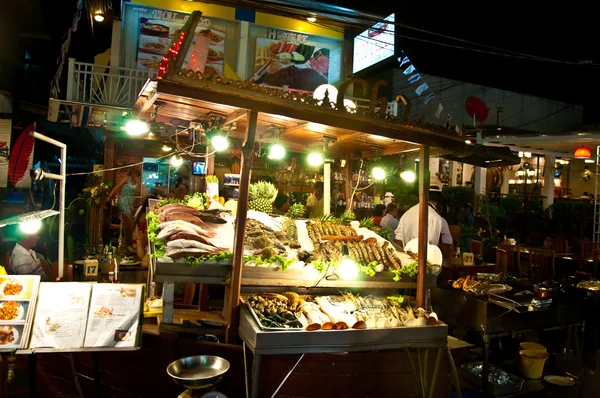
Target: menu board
(17,304)
(114,316)
(61,315)
(73,315)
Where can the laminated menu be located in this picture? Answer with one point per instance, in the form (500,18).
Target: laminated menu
(61,315)
(76,315)
(17,304)
(114,316)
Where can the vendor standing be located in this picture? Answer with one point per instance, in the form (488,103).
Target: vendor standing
(125,188)
(438,232)
(24,261)
(281,205)
(315,203)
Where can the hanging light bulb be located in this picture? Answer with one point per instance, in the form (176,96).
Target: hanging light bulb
(220,143)
(315,159)
(276,152)
(30,227)
(99,16)
(136,127)
(311,18)
(408,176)
(166,148)
(348,269)
(176,161)
(378,173)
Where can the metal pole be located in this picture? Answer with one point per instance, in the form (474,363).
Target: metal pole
(62,197)
(327,188)
(423,223)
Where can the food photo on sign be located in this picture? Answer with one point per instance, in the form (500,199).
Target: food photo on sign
(299,66)
(207,52)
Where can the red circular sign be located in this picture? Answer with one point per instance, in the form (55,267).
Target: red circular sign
(476,108)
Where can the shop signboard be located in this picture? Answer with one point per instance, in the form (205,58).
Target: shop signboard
(287,59)
(158,28)
(374,44)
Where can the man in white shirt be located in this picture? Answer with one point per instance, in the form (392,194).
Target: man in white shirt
(390,220)
(438,232)
(24,261)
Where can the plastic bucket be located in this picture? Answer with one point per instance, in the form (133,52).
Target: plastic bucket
(532,363)
(527,346)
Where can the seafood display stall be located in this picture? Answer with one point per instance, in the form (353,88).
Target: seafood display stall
(256,256)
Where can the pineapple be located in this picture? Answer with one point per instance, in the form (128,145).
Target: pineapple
(262,195)
(347,217)
(296,211)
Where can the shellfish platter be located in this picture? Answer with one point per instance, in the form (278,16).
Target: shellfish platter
(290,311)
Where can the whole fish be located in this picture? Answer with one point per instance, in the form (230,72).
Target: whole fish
(178,207)
(174,215)
(176,253)
(185,244)
(171,230)
(198,229)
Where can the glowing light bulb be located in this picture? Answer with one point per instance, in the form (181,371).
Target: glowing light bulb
(136,127)
(348,269)
(408,176)
(30,227)
(378,173)
(99,17)
(319,93)
(220,143)
(312,18)
(166,148)
(176,161)
(276,152)
(315,159)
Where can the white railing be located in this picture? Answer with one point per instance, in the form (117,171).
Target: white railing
(105,85)
(363,103)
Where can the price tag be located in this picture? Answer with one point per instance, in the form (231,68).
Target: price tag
(90,268)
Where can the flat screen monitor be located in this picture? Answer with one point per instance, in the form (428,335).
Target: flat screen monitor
(374,44)
(198,168)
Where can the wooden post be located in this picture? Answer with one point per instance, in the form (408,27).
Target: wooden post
(423,223)
(327,188)
(240,229)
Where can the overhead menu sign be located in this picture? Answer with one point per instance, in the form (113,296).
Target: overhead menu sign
(374,44)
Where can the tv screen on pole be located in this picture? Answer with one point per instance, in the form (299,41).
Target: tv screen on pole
(374,44)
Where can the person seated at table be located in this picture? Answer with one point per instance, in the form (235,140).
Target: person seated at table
(378,213)
(281,204)
(25,261)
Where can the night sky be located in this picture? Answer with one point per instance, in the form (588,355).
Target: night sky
(565,34)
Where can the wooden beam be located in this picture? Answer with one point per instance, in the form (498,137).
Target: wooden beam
(423,224)
(300,126)
(240,229)
(235,116)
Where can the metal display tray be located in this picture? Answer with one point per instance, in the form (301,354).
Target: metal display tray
(497,390)
(291,341)
(263,327)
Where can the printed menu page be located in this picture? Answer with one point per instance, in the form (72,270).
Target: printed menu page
(17,305)
(61,315)
(114,315)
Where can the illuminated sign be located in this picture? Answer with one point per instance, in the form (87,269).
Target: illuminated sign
(374,44)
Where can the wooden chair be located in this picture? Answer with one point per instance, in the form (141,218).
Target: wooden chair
(559,245)
(455,231)
(588,252)
(501,260)
(541,263)
(513,263)
(476,247)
